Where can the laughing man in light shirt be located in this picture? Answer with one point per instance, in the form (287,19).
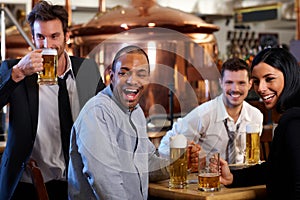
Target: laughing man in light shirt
(111,155)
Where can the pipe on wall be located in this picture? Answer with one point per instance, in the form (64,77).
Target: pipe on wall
(69,10)
(102,6)
(297,10)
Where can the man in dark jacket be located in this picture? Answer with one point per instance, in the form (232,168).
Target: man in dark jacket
(36,126)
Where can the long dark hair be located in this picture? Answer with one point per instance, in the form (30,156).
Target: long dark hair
(284,61)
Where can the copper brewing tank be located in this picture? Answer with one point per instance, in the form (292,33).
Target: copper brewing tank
(141,13)
(179,43)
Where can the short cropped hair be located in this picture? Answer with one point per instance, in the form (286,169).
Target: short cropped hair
(128,50)
(235,64)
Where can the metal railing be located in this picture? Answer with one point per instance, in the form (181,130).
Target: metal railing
(4,10)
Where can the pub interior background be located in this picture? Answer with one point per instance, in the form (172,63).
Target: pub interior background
(240,28)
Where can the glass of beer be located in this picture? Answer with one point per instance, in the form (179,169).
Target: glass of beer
(178,162)
(49,74)
(252,155)
(208,171)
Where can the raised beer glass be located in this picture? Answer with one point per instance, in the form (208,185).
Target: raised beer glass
(49,74)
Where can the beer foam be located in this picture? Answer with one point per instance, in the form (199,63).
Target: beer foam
(49,52)
(178,141)
(252,128)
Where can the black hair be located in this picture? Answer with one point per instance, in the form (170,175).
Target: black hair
(44,11)
(128,50)
(284,61)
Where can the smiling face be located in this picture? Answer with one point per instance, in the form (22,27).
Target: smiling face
(268,83)
(130,78)
(235,86)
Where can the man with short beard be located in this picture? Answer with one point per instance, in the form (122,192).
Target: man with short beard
(210,123)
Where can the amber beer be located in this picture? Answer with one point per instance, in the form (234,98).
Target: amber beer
(252,155)
(49,74)
(178,162)
(178,168)
(209,174)
(209,181)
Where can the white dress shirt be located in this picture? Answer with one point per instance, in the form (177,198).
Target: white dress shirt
(205,125)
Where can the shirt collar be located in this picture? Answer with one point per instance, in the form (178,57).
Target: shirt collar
(221,110)
(245,113)
(69,69)
(223,115)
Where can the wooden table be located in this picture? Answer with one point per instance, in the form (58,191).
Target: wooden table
(160,190)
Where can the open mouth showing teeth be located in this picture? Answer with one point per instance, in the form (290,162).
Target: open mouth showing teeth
(130,94)
(130,91)
(268,97)
(235,95)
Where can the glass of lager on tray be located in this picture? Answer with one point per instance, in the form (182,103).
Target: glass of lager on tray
(178,162)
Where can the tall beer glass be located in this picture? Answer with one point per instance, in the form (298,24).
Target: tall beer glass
(178,162)
(208,171)
(49,74)
(252,155)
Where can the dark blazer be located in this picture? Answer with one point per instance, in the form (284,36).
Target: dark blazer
(281,173)
(23,98)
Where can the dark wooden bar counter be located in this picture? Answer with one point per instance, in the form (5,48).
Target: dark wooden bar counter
(160,190)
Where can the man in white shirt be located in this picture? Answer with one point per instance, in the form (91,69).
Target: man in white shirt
(212,123)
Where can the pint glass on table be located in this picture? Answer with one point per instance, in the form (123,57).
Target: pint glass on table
(178,162)
(49,74)
(252,155)
(209,175)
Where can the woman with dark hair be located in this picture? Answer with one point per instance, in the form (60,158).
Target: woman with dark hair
(276,79)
